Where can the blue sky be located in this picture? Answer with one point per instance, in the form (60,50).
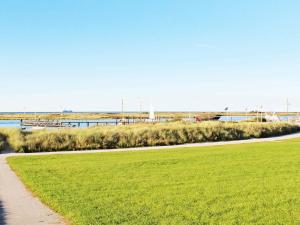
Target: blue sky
(178,55)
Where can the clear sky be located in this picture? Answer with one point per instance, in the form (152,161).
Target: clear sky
(180,55)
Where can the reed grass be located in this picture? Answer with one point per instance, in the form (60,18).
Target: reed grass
(2,142)
(140,135)
(14,138)
(96,116)
(128,115)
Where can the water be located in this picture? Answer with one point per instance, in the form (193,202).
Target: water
(10,123)
(17,123)
(71,123)
(241,118)
(236,118)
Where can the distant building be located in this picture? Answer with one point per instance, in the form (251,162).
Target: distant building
(67,111)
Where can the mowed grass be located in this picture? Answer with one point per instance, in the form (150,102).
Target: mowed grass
(234,184)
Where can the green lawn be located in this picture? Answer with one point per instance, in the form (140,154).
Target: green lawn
(237,184)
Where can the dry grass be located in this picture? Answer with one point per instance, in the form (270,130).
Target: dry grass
(95,116)
(140,135)
(2,142)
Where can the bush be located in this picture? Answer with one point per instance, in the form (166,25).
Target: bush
(141,135)
(14,138)
(2,142)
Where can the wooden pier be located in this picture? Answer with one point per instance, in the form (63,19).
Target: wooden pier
(71,123)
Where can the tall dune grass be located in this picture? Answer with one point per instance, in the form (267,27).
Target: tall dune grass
(2,142)
(14,138)
(141,135)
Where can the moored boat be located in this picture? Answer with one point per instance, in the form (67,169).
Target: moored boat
(41,123)
(208,118)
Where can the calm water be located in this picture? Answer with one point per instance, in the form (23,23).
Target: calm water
(16,123)
(241,118)
(10,123)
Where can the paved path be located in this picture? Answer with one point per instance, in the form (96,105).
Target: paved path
(19,207)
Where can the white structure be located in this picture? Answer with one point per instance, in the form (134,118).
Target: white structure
(151,114)
(273,118)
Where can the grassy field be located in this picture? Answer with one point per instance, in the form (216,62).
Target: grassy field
(238,184)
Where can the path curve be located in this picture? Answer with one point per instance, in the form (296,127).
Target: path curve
(19,207)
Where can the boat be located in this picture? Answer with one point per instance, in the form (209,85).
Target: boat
(208,118)
(38,128)
(42,124)
(151,114)
(151,117)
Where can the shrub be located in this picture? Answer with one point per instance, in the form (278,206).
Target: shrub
(14,138)
(2,142)
(140,135)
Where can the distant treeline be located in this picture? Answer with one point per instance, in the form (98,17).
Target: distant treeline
(140,135)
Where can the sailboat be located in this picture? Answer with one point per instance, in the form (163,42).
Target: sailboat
(151,115)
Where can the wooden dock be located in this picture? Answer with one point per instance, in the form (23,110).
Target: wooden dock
(69,123)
